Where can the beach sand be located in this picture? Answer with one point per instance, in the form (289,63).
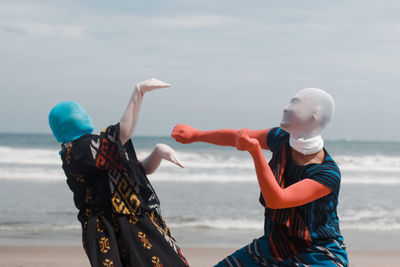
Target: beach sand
(18,256)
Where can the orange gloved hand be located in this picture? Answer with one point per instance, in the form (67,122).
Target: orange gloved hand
(184,133)
(244,142)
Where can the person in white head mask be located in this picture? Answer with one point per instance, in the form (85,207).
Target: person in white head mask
(299,186)
(307,114)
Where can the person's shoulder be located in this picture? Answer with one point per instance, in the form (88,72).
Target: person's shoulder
(328,165)
(327,173)
(276,137)
(79,142)
(277,132)
(111,132)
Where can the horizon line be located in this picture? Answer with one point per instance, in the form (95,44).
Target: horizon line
(168,136)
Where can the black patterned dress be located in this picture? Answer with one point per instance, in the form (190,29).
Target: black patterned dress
(118,208)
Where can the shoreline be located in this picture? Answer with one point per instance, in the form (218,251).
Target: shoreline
(63,256)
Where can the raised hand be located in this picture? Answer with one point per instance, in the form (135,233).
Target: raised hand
(161,151)
(167,153)
(184,133)
(244,142)
(150,85)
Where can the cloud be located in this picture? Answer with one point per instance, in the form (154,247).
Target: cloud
(42,29)
(36,20)
(193,21)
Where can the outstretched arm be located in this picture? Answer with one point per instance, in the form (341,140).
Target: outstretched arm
(131,115)
(275,197)
(186,134)
(161,151)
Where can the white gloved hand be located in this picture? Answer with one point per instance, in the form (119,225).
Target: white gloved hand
(167,153)
(161,151)
(150,85)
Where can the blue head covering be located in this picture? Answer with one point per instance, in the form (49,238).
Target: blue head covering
(69,121)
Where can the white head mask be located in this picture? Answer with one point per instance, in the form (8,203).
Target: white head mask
(307,114)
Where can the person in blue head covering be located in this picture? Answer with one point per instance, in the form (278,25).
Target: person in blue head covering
(69,121)
(118,208)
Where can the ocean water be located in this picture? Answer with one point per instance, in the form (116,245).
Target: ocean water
(212,202)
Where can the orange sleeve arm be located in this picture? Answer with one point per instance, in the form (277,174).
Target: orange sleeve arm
(227,137)
(221,137)
(276,197)
(261,136)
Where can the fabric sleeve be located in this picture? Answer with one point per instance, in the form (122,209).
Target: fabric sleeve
(86,157)
(105,150)
(326,174)
(275,138)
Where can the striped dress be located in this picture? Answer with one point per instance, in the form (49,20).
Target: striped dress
(306,235)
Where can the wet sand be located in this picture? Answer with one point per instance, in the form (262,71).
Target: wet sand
(23,256)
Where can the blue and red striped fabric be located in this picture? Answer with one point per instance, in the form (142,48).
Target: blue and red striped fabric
(293,230)
(302,236)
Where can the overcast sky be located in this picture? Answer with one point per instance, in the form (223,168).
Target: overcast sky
(232,64)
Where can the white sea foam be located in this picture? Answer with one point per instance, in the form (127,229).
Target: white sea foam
(365,180)
(223,224)
(370,219)
(228,224)
(32,156)
(202,177)
(371,213)
(369,163)
(33,174)
(39,227)
(377,227)
(45,165)
(211,161)
(203,160)
(219,224)
(57,175)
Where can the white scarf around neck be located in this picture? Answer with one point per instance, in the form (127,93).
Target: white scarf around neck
(307,146)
